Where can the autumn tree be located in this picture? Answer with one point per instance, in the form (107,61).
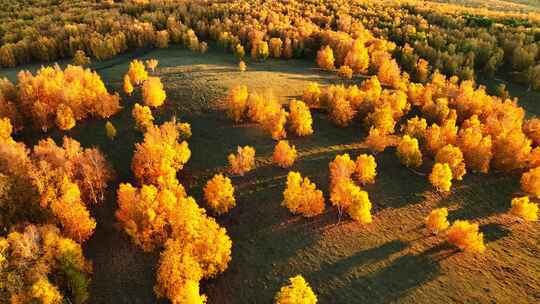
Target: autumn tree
(408,152)
(153,93)
(297,291)
(284,154)
(160,155)
(345,72)
(137,72)
(143,117)
(110,130)
(300,118)
(80,58)
(530,181)
(341,168)
(219,194)
(301,196)
(452,156)
(242,66)
(357,58)
(312,94)
(466,236)
(441,177)
(152,64)
(523,208)
(325,58)
(366,169)
(437,220)
(243,161)
(237,102)
(128,87)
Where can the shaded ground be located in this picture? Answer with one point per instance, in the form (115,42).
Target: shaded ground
(391,260)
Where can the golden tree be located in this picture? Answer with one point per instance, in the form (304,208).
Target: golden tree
(237,102)
(64,117)
(441,177)
(325,58)
(360,207)
(242,66)
(219,194)
(437,220)
(152,64)
(366,169)
(143,117)
(523,208)
(377,141)
(415,127)
(110,130)
(274,121)
(466,237)
(80,58)
(530,181)
(128,87)
(357,58)
(275,47)
(31,257)
(312,94)
(301,196)
(341,168)
(300,118)
(160,155)
(345,72)
(452,156)
(243,161)
(409,152)
(296,292)
(284,154)
(153,93)
(137,73)
(341,111)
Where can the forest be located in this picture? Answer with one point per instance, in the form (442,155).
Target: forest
(282,151)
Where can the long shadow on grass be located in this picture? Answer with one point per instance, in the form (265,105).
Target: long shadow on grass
(403,275)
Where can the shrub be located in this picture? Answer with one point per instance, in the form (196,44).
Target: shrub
(530,181)
(219,194)
(296,292)
(441,177)
(153,93)
(243,161)
(237,102)
(366,169)
(409,152)
(300,118)
(302,197)
(143,117)
(524,209)
(437,220)
(284,154)
(466,237)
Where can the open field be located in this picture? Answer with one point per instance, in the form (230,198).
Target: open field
(392,260)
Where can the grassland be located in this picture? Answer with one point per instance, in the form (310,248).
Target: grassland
(393,259)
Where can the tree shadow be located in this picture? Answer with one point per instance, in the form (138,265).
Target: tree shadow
(387,285)
(494,232)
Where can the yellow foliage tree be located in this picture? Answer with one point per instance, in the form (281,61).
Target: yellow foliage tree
(284,154)
(341,168)
(377,141)
(408,152)
(300,118)
(441,177)
(437,220)
(466,237)
(301,196)
(452,156)
(237,102)
(325,58)
(143,117)
(219,194)
(153,93)
(152,64)
(137,72)
(345,72)
(312,94)
(110,130)
(243,161)
(296,292)
(128,87)
(274,122)
(530,181)
(160,155)
(242,66)
(357,58)
(523,208)
(366,169)
(64,117)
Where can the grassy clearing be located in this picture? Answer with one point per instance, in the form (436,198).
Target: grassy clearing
(391,260)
